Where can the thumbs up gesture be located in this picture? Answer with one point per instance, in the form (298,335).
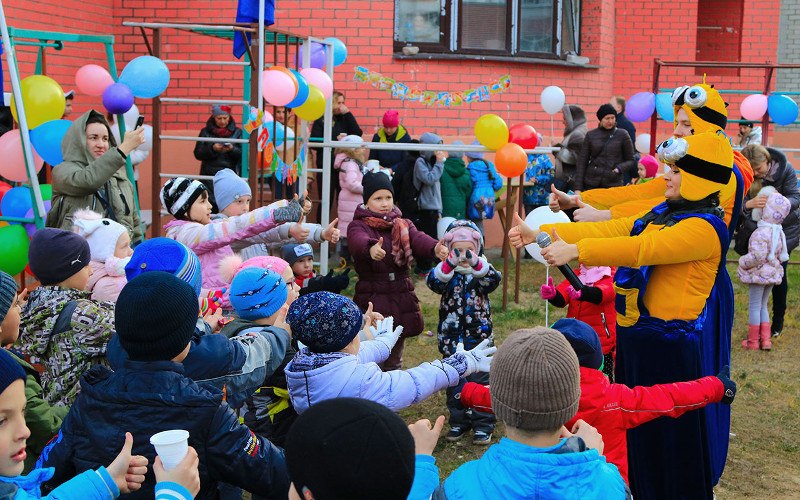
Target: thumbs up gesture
(126,470)
(559,200)
(376,251)
(299,232)
(520,233)
(331,233)
(559,252)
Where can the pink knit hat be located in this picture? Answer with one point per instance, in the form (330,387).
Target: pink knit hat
(233,264)
(463,230)
(650,165)
(391,118)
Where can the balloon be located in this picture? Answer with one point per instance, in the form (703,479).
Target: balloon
(319,79)
(148,139)
(782,109)
(117,98)
(443,224)
(16,202)
(30,227)
(278,89)
(4,188)
(302,91)
(552,99)
(664,106)
(511,160)
(314,106)
(12,166)
(130,117)
(47,191)
(46,140)
(43,99)
(339,51)
(93,79)
(288,73)
(640,106)
(753,107)
(491,131)
(318,56)
(524,135)
(146,76)
(13,249)
(276,132)
(643,144)
(537,217)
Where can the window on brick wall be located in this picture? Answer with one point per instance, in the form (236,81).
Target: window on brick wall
(719,34)
(518,28)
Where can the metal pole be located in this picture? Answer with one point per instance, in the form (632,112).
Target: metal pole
(506,251)
(155,182)
(765,120)
(326,160)
(521,213)
(257,102)
(654,118)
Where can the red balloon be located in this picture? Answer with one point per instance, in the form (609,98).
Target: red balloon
(4,188)
(524,135)
(511,160)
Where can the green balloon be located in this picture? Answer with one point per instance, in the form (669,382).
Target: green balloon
(13,249)
(47,191)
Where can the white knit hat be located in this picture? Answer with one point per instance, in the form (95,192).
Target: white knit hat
(102,234)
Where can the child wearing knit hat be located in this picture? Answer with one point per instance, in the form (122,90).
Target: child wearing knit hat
(301,259)
(647,168)
(62,327)
(110,245)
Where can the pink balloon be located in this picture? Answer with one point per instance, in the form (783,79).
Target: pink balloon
(754,106)
(279,89)
(93,79)
(13,165)
(319,79)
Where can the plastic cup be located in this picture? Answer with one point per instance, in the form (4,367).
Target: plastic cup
(171,446)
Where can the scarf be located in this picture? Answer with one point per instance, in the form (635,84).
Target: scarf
(708,205)
(777,235)
(401,242)
(222,132)
(590,276)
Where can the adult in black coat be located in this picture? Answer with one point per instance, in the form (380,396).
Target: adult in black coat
(606,153)
(216,156)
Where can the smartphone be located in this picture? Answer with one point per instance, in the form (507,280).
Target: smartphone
(139,122)
(227,144)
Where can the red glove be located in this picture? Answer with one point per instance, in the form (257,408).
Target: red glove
(548,290)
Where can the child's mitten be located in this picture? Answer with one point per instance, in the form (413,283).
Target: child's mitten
(548,291)
(478,359)
(384,331)
(724,376)
(451,262)
(292,212)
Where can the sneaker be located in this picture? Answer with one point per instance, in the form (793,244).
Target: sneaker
(482,438)
(776,333)
(456,433)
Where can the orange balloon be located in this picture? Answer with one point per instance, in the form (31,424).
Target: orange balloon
(287,72)
(511,160)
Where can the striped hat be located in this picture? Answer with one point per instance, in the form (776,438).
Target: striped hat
(704,105)
(164,254)
(178,195)
(705,161)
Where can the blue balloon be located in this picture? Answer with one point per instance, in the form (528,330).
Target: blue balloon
(302,90)
(339,50)
(146,76)
(117,98)
(16,202)
(640,106)
(276,134)
(664,107)
(46,140)
(782,109)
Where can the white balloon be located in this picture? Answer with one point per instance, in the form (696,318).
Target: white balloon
(441,226)
(553,99)
(130,116)
(148,138)
(537,217)
(643,144)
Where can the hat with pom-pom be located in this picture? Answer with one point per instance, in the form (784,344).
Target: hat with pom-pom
(179,194)
(232,264)
(168,255)
(102,234)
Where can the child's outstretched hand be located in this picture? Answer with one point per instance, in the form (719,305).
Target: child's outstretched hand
(440,250)
(292,212)
(331,233)
(426,436)
(299,232)
(305,202)
(371,317)
(376,251)
(451,261)
(128,471)
(384,331)
(473,260)
(724,376)
(185,473)
(213,319)
(548,291)
(479,358)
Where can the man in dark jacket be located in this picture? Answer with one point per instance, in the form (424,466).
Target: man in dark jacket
(216,156)
(624,123)
(344,123)
(606,153)
(150,394)
(391,132)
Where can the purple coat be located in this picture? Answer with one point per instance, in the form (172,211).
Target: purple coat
(761,265)
(384,283)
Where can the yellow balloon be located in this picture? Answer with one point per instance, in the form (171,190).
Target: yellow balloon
(491,131)
(314,107)
(43,99)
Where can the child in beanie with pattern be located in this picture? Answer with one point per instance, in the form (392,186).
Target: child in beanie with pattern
(535,382)
(615,408)
(110,245)
(301,259)
(62,327)
(336,363)
(464,280)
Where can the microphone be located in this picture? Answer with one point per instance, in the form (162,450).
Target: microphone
(544,240)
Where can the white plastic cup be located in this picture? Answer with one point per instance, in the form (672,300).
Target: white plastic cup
(171,446)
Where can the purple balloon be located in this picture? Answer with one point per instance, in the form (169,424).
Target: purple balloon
(318,56)
(31,228)
(117,98)
(640,106)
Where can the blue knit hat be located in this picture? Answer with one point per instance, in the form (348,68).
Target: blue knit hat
(584,341)
(56,254)
(8,290)
(257,293)
(229,187)
(475,155)
(292,253)
(164,254)
(324,321)
(10,370)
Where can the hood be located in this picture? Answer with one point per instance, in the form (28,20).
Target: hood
(312,377)
(776,209)
(73,145)
(455,167)
(574,116)
(429,138)
(341,158)
(593,387)
(40,314)
(361,212)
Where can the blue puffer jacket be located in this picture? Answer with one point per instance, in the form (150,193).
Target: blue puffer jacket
(147,398)
(91,485)
(485,183)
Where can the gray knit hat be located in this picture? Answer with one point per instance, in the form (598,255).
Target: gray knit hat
(8,291)
(535,380)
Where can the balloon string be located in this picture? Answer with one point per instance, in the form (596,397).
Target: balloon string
(546,302)
(552,130)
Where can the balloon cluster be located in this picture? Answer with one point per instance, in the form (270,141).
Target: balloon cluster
(509,143)
(14,236)
(782,109)
(144,77)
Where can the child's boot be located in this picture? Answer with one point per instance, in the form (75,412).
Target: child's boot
(766,333)
(752,337)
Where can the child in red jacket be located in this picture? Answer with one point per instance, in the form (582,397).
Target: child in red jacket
(615,408)
(593,304)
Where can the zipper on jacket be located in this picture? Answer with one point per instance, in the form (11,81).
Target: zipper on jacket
(605,325)
(124,203)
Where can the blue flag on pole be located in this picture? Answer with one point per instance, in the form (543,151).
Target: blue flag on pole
(247,12)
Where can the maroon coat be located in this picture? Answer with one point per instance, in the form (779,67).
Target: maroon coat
(384,283)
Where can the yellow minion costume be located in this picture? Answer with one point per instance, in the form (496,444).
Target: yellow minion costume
(672,260)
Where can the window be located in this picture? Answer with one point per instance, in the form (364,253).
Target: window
(518,28)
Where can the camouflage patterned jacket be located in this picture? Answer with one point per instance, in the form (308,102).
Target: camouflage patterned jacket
(80,344)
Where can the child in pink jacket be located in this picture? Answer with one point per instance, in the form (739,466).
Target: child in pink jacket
(350,164)
(110,246)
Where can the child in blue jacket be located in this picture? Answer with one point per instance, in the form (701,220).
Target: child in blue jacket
(485,183)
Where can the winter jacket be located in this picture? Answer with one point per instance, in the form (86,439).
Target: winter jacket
(601,317)
(614,408)
(212,161)
(42,419)
(515,471)
(427,172)
(107,278)
(145,398)
(627,125)
(761,265)
(351,194)
(384,283)
(80,343)
(342,124)
(456,188)
(485,183)
(261,244)
(390,158)
(754,137)
(406,194)
(90,485)
(312,378)
(101,184)
(540,171)
(464,312)
(603,167)
(574,133)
